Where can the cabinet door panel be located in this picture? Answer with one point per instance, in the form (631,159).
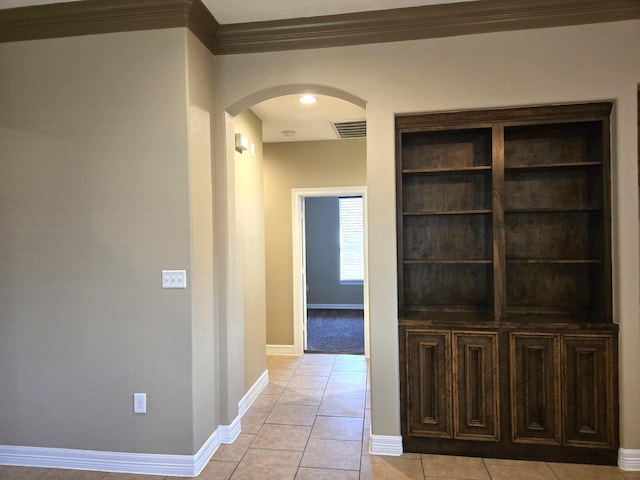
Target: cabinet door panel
(475,386)
(429,383)
(535,391)
(588,390)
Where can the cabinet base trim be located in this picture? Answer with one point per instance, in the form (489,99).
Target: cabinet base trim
(385,445)
(629,459)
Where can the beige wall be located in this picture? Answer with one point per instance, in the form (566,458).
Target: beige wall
(250,237)
(206,395)
(289,165)
(530,67)
(100,191)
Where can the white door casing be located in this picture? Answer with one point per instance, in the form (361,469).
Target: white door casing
(299,260)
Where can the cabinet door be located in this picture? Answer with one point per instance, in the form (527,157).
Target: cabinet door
(534,368)
(429,383)
(475,386)
(588,405)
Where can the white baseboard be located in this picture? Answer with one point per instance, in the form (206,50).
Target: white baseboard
(249,397)
(385,445)
(335,306)
(205,453)
(629,459)
(281,350)
(137,463)
(229,433)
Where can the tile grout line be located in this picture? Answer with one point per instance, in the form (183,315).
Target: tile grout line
(286,384)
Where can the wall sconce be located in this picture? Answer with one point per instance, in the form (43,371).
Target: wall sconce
(242,143)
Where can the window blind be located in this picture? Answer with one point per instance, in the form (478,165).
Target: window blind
(351,238)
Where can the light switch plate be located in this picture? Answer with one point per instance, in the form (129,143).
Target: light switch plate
(174,279)
(139,403)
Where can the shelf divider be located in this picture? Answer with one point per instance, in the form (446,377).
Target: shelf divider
(498,233)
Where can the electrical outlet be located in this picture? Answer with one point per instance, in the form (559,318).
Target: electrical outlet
(174,279)
(139,403)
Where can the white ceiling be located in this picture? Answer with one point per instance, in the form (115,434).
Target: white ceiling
(309,122)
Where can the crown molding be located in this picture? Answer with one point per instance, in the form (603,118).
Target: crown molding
(431,21)
(106,16)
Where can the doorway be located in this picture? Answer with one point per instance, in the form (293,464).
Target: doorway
(334,256)
(328,318)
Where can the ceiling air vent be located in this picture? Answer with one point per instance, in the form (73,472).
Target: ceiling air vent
(353,129)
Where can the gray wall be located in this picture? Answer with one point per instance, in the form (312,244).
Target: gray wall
(322,230)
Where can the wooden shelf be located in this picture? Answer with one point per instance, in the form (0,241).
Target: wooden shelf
(478,211)
(558,261)
(448,261)
(551,166)
(440,170)
(553,210)
(460,315)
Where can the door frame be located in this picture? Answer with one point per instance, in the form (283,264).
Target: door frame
(299,259)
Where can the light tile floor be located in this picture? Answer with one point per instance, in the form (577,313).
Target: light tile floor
(312,423)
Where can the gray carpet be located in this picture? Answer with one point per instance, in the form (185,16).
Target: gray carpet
(335,331)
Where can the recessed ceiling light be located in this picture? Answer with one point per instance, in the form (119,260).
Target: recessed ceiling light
(308,99)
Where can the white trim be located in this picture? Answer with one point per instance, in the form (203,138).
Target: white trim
(205,453)
(299,295)
(281,350)
(229,433)
(335,306)
(385,445)
(249,397)
(299,291)
(629,459)
(120,462)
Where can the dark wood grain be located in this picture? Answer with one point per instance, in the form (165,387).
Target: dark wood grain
(535,388)
(443,193)
(588,391)
(429,408)
(446,150)
(475,386)
(498,204)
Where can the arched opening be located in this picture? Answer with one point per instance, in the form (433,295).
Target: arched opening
(242,170)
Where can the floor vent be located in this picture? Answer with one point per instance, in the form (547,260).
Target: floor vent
(353,129)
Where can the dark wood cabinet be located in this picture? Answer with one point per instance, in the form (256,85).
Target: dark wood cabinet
(475,386)
(430,412)
(588,391)
(534,381)
(507,343)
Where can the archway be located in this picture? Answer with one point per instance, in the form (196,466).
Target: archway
(232,112)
